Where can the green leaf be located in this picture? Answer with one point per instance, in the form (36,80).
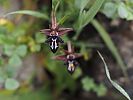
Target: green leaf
(88,83)
(118,87)
(81,4)
(9,49)
(108,41)
(15,61)
(21,50)
(2,38)
(38,47)
(63,19)
(11,84)
(57,5)
(35,48)
(1,61)
(130,16)
(88,16)
(100,90)
(110,9)
(40,38)
(122,10)
(19,32)
(29,12)
(93,11)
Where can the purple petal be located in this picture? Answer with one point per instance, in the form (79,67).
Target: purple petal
(62,31)
(61,57)
(46,31)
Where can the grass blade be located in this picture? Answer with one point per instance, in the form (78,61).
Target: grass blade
(63,19)
(89,15)
(106,38)
(118,87)
(57,5)
(28,12)
(93,11)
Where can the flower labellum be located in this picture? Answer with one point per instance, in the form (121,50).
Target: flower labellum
(69,58)
(71,63)
(53,42)
(54,33)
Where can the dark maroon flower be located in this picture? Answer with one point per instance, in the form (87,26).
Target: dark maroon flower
(69,58)
(54,33)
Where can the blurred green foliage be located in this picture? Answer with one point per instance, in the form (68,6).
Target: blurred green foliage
(11,84)
(89,85)
(20,38)
(118,9)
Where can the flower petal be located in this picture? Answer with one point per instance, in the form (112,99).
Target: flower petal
(61,57)
(46,31)
(62,31)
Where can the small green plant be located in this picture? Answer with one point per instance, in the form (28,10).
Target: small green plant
(90,85)
(119,9)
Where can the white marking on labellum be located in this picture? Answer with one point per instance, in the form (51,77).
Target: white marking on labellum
(71,66)
(54,44)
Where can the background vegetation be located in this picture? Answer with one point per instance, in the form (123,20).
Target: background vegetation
(26,68)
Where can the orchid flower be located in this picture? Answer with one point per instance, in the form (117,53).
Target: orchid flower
(69,58)
(54,32)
